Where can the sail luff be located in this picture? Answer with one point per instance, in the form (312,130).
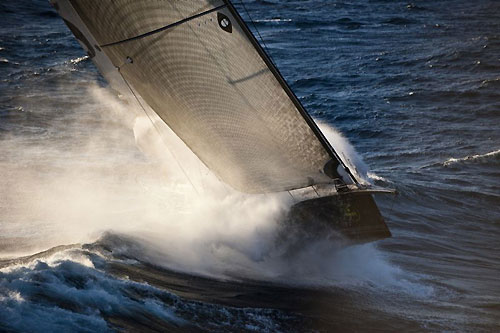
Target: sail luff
(272,67)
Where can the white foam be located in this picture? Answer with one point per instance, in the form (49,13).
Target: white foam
(50,294)
(452,160)
(346,152)
(47,286)
(79,59)
(374,176)
(122,179)
(274,20)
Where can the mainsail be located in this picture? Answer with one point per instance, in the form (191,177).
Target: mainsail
(215,88)
(200,69)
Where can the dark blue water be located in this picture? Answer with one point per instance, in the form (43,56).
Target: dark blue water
(413,86)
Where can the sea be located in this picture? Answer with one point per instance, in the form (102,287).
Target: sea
(97,236)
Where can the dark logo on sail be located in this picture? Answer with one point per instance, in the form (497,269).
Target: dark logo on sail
(224,22)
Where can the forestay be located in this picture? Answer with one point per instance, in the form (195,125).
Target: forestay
(198,68)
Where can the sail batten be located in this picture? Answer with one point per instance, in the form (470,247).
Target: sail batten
(198,66)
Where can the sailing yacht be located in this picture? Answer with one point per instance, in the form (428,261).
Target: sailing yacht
(199,68)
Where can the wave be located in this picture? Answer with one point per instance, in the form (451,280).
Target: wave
(109,285)
(375,177)
(69,289)
(476,158)
(273,20)
(346,152)
(79,59)
(470,158)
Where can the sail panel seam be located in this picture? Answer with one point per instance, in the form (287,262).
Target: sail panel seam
(187,19)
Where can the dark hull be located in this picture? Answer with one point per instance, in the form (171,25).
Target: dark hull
(353,216)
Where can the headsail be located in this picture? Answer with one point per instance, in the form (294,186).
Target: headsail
(200,69)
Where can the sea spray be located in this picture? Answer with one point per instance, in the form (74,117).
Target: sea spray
(346,152)
(127,174)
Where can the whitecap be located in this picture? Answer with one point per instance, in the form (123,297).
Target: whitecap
(470,157)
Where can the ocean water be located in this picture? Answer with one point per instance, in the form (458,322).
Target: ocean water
(98,231)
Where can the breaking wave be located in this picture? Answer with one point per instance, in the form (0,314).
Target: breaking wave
(472,158)
(347,153)
(69,290)
(475,158)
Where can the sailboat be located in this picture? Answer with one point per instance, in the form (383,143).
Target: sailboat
(199,67)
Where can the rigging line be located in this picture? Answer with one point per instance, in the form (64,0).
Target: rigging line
(257,30)
(158,130)
(187,19)
(314,188)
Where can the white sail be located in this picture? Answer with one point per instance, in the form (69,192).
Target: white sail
(197,67)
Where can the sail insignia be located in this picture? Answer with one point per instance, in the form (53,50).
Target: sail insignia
(224,22)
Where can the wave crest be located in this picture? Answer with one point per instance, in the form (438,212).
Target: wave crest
(469,158)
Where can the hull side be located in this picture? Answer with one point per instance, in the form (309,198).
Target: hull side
(353,216)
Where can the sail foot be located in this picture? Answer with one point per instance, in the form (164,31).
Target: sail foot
(352,217)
